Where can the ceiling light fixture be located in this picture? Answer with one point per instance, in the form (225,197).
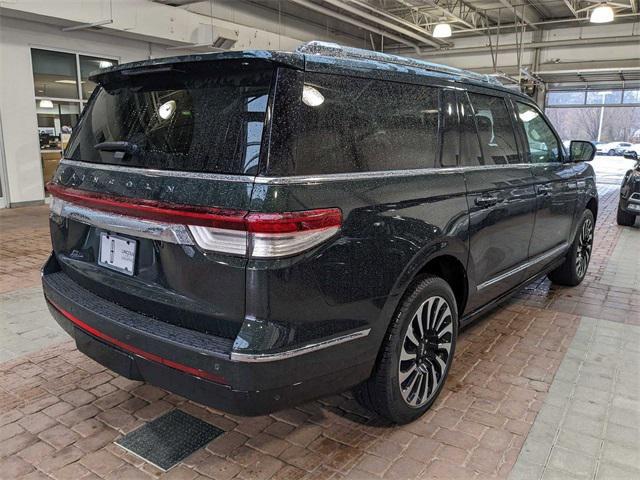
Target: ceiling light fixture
(46,104)
(603,13)
(442,29)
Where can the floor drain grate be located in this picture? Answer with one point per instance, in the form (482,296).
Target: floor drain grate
(169,439)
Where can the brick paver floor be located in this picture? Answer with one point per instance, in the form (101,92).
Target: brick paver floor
(60,412)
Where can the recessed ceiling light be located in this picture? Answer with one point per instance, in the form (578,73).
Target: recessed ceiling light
(603,13)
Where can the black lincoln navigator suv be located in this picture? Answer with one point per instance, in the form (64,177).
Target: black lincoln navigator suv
(256,229)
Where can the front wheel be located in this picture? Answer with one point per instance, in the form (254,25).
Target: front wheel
(574,268)
(625,219)
(416,355)
(612,152)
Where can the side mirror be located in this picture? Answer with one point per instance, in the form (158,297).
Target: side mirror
(581,151)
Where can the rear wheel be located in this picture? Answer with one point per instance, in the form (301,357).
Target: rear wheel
(417,353)
(624,218)
(574,268)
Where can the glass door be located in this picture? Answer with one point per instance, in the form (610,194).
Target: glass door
(62,86)
(56,121)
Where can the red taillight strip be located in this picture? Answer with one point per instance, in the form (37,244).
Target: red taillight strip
(254,222)
(152,209)
(291,222)
(135,350)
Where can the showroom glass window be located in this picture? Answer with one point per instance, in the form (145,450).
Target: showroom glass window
(61,88)
(495,129)
(543,146)
(598,115)
(347,124)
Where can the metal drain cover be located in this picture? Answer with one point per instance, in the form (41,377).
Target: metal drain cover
(169,439)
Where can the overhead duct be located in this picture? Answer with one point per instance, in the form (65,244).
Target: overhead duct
(209,37)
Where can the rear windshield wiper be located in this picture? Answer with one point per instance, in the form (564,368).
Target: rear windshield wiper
(125,147)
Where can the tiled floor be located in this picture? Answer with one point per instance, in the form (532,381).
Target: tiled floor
(25,324)
(623,267)
(589,425)
(522,376)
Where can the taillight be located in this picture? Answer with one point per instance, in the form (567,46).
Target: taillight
(268,235)
(237,232)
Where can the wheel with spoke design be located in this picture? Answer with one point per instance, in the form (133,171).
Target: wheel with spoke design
(585,242)
(576,263)
(417,354)
(425,351)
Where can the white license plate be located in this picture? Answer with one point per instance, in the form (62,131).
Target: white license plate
(117,253)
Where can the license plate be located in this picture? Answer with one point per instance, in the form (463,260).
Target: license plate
(117,253)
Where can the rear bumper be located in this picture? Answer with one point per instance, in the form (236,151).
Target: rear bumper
(195,365)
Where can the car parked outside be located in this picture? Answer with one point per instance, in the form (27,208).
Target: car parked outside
(252,230)
(632,152)
(629,203)
(613,148)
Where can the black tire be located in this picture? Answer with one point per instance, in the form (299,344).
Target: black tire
(382,392)
(624,218)
(612,152)
(571,272)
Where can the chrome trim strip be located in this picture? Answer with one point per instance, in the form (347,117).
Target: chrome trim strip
(337,177)
(524,266)
(160,173)
(138,227)
(289,180)
(271,357)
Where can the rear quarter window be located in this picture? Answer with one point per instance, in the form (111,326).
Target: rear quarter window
(346,124)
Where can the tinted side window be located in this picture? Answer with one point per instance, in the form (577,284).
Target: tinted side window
(542,143)
(347,124)
(495,129)
(470,151)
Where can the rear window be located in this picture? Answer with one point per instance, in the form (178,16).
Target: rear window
(204,117)
(346,124)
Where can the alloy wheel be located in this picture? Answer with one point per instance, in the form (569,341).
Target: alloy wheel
(585,243)
(425,351)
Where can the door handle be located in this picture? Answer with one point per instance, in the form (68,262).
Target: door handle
(487,200)
(545,189)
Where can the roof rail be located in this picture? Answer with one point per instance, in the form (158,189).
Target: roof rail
(335,50)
